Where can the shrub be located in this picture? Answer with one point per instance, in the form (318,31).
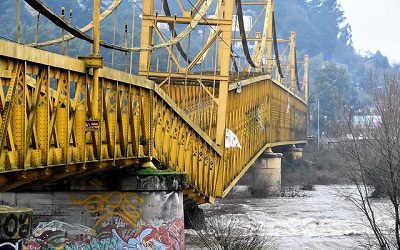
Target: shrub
(260,187)
(233,235)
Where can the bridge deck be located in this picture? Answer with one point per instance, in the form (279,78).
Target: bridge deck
(47,134)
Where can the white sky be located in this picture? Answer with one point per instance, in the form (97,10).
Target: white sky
(375,25)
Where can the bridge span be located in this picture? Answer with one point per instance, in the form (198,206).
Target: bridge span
(65,118)
(47,132)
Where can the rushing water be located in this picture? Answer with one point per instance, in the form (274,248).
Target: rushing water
(321,219)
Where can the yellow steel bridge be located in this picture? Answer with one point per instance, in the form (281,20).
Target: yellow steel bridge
(63,117)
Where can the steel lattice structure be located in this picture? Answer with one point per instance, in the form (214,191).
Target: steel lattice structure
(63,117)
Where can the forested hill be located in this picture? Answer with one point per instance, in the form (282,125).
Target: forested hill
(337,70)
(320,25)
(322,32)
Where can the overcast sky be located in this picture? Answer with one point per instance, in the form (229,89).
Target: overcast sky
(375,25)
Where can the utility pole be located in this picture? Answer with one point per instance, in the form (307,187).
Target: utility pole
(318,122)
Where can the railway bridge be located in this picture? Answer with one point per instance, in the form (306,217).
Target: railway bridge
(118,153)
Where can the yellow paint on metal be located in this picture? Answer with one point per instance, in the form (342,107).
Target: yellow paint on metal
(181,125)
(292,58)
(305,80)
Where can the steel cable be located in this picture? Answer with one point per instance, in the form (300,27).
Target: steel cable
(239,13)
(297,75)
(278,62)
(113,6)
(47,12)
(172,29)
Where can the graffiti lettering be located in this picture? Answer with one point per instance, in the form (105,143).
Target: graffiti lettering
(10,226)
(16,225)
(120,205)
(24,221)
(10,246)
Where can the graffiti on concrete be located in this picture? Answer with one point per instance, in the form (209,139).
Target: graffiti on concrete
(165,237)
(116,208)
(55,225)
(10,246)
(15,223)
(117,225)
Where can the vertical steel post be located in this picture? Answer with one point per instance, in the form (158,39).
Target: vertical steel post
(96,52)
(269,50)
(224,56)
(37,28)
(264,49)
(132,35)
(18,21)
(62,32)
(70,22)
(126,44)
(292,44)
(306,86)
(146,37)
(114,34)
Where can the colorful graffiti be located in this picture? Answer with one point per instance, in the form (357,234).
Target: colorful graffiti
(10,246)
(117,226)
(165,237)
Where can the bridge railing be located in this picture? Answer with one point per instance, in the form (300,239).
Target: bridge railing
(48,132)
(46,112)
(262,113)
(199,102)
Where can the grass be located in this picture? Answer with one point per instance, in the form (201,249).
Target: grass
(151,171)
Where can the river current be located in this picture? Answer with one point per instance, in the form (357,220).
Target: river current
(319,219)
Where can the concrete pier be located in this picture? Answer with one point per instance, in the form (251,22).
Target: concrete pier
(293,153)
(142,211)
(15,225)
(269,168)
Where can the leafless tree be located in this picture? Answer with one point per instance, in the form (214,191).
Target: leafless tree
(232,234)
(370,150)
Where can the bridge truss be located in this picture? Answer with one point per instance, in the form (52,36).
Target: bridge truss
(176,112)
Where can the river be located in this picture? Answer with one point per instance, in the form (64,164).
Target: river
(319,219)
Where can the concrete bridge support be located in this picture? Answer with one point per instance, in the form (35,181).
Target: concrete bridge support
(141,211)
(293,153)
(269,169)
(15,226)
